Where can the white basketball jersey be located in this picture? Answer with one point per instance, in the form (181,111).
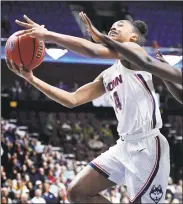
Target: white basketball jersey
(133,98)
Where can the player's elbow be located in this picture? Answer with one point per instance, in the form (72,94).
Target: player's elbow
(68,101)
(70,106)
(146,64)
(72,102)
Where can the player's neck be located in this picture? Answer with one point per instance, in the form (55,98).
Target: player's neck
(126,64)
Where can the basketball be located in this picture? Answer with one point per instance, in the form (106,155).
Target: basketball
(25,50)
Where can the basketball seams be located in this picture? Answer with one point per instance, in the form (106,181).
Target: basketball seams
(33,53)
(19,51)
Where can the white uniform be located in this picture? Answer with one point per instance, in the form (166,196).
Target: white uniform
(140,159)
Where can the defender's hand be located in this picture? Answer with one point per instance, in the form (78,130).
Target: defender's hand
(96,35)
(20,70)
(33,29)
(160,57)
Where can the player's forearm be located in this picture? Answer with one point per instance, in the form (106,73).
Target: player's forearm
(75,44)
(146,63)
(176,90)
(60,96)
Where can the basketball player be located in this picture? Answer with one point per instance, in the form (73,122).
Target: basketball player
(136,58)
(140,159)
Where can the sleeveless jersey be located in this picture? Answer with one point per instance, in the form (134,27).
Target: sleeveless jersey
(133,98)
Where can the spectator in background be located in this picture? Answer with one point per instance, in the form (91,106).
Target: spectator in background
(115,196)
(51,177)
(125,200)
(75,87)
(179,191)
(31,189)
(24,170)
(16,91)
(62,85)
(38,197)
(50,128)
(5,192)
(39,185)
(16,199)
(155,44)
(47,195)
(95,143)
(4,200)
(26,90)
(34,94)
(107,135)
(171,186)
(42,174)
(62,197)
(24,198)
(34,175)
(20,187)
(5,27)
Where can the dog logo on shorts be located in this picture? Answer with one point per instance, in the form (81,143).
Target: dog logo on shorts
(156,193)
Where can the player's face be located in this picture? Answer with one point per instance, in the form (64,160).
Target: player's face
(121,31)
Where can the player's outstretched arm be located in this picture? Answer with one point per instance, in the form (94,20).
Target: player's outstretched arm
(75,44)
(175,89)
(83,95)
(137,56)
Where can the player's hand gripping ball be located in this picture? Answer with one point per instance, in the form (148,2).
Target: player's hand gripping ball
(25,50)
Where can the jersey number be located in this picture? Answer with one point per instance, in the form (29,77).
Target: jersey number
(117,101)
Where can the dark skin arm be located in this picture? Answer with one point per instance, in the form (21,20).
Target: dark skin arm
(75,44)
(175,89)
(133,53)
(137,56)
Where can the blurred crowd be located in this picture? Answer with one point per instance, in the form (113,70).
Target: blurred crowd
(24,91)
(35,172)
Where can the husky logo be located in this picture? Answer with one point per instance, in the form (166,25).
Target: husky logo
(156,193)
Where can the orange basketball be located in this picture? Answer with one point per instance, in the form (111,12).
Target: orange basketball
(25,50)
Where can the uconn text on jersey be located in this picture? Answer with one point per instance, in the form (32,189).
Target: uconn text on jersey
(115,82)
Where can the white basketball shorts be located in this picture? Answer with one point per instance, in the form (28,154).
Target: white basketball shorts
(143,165)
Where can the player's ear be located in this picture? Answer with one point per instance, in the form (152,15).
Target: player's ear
(133,37)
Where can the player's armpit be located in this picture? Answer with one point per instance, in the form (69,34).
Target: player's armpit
(89,91)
